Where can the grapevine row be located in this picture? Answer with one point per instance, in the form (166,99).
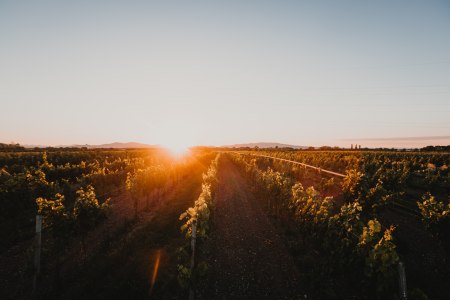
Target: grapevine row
(196,228)
(347,237)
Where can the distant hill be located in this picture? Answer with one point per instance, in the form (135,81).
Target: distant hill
(34,146)
(265,145)
(115,145)
(129,145)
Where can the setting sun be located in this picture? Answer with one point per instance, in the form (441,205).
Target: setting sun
(177,149)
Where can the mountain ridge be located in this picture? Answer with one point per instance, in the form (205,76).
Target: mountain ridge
(264,145)
(137,145)
(114,145)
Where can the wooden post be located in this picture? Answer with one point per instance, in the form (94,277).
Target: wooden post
(37,253)
(193,241)
(402,281)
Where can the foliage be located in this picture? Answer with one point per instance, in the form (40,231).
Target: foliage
(87,211)
(433,211)
(55,216)
(436,217)
(350,183)
(310,209)
(198,217)
(352,245)
(381,255)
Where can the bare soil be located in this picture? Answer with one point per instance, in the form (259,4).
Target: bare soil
(247,258)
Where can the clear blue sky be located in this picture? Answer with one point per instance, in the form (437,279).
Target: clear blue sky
(221,72)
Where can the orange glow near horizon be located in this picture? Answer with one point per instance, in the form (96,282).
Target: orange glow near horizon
(177,149)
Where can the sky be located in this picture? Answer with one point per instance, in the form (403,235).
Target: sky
(176,73)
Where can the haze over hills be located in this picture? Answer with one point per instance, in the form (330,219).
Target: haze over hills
(119,145)
(129,145)
(115,145)
(265,145)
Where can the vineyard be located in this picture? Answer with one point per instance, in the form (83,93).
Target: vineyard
(218,223)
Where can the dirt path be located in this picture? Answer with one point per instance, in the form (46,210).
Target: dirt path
(248,259)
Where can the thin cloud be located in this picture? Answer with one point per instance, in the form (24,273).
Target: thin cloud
(415,138)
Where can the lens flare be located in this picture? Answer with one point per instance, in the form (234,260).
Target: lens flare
(155,270)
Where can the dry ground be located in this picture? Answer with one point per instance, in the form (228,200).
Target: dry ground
(248,259)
